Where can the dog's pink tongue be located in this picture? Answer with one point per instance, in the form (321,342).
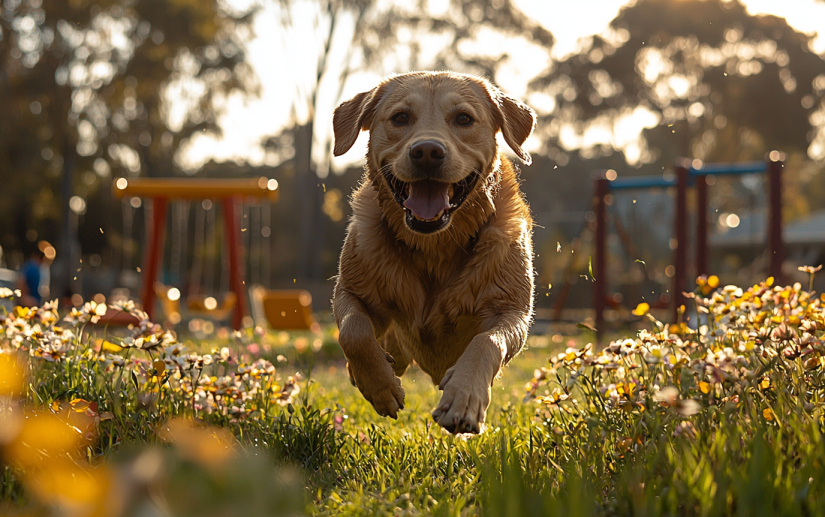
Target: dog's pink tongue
(427,198)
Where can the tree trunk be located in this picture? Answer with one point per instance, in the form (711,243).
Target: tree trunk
(306,189)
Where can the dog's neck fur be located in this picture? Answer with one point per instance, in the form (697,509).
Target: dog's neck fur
(496,192)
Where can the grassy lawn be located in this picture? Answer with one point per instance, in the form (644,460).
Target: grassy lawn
(330,384)
(411,465)
(726,419)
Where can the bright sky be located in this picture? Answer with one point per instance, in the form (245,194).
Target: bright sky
(246,121)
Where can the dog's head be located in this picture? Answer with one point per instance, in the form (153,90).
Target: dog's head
(433,139)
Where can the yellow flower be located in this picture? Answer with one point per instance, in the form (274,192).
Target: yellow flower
(159,366)
(42,438)
(641,309)
(554,399)
(63,481)
(12,379)
(209,446)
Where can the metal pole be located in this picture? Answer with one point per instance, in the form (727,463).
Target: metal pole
(776,247)
(236,269)
(701,225)
(69,226)
(152,254)
(266,226)
(601,184)
(680,232)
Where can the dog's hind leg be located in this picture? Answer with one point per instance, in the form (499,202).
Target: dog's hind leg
(392,345)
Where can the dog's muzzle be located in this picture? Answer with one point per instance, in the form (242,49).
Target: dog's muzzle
(429,204)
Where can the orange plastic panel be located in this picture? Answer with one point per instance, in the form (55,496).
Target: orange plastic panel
(288,309)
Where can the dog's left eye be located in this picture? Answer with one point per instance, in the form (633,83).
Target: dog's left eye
(401,119)
(463,119)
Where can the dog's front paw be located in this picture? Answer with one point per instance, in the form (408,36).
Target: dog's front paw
(463,405)
(379,385)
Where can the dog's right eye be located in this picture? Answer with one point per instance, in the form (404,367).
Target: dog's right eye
(463,119)
(400,119)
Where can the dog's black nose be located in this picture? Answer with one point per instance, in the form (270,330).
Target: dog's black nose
(428,154)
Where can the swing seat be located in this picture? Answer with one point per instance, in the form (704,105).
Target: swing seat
(198,305)
(286,309)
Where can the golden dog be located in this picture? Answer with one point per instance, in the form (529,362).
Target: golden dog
(437,265)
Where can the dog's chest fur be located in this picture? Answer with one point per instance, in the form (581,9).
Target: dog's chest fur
(431,317)
(436,300)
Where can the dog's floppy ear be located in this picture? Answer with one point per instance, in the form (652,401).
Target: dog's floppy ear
(353,116)
(517,122)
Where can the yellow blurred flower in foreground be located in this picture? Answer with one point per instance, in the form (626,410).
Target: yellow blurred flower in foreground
(209,446)
(42,438)
(65,484)
(12,378)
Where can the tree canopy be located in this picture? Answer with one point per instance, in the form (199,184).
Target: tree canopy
(96,88)
(718,78)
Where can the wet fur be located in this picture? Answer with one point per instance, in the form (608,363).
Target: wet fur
(458,302)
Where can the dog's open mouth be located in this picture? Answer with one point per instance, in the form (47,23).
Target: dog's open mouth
(429,204)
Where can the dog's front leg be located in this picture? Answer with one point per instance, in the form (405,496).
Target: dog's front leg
(466,386)
(369,365)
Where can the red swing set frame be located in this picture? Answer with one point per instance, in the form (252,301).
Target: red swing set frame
(229,191)
(687,173)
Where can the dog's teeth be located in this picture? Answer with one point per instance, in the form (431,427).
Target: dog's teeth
(436,218)
(452,190)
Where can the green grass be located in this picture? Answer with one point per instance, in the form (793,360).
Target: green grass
(727,420)
(411,465)
(737,465)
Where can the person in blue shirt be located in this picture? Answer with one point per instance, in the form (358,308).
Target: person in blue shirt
(29,279)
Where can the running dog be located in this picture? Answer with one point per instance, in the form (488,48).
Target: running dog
(437,265)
